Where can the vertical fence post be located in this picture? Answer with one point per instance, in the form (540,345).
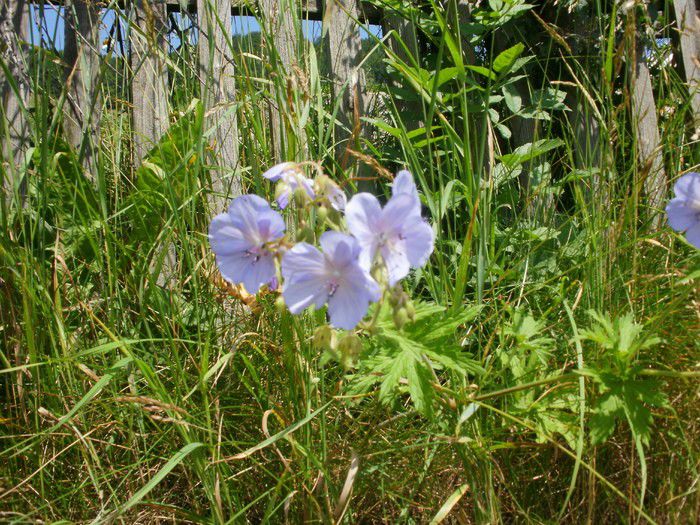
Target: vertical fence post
(14,31)
(344,47)
(218,95)
(647,131)
(82,62)
(689,28)
(149,48)
(279,17)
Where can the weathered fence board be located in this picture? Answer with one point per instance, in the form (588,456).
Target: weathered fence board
(218,97)
(280,17)
(149,48)
(647,131)
(689,28)
(344,47)
(82,107)
(14,30)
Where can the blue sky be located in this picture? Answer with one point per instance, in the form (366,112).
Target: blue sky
(52,26)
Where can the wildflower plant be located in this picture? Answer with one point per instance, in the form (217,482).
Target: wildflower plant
(364,254)
(684,209)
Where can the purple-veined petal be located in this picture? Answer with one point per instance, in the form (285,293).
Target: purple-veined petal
(396,261)
(277,171)
(245,212)
(341,248)
(239,238)
(303,258)
(246,269)
(305,278)
(400,209)
(418,240)
(333,277)
(225,238)
(349,304)
(260,271)
(403,184)
(303,292)
(688,188)
(680,216)
(693,235)
(233,267)
(367,255)
(271,226)
(362,214)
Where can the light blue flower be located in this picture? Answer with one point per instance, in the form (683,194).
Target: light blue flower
(290,178)
(336,197)
(240,238)
(333,277)
(403,183)
(397,232)
(684,210)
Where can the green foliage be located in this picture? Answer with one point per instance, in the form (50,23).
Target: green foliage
(165,178)
(526,352)
(415,359)
(127,401)
(622,395)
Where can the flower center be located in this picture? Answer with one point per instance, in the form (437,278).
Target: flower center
(332,288)
(256,253)
(389,239)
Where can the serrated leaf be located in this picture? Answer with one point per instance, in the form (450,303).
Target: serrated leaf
(420,387)
(608,409)
(427,346)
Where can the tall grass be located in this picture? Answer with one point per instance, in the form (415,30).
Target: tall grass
(128,397)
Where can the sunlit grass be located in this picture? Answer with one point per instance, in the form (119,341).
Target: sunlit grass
(140,387)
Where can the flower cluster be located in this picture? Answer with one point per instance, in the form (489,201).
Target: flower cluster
(371,250)
(684,210)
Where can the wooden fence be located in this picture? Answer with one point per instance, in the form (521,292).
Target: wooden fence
(342,33)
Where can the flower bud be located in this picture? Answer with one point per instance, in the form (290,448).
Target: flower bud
(379,273)
(398,297)
(280,304)
(321,213)
(400,318)
(410,311)
(324,338)
(349,348)
(301,197)
(306,234)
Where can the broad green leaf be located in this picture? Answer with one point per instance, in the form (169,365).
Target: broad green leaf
(483,71)
(513,100)
(530,151)
(507,58)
